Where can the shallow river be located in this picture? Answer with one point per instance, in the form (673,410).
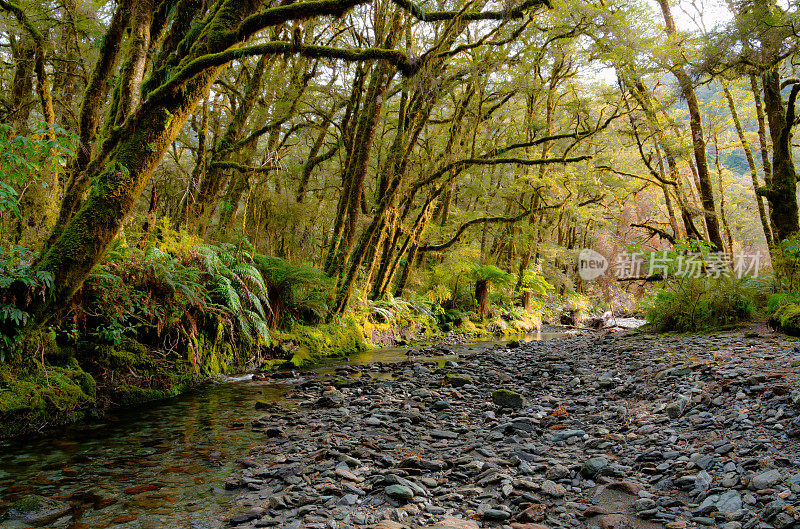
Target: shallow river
(160,465)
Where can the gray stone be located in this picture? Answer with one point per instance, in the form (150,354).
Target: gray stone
(557,472)
(562,435)
(593,466)
(553,489)
(455,380)
(399,492)
(496,515)
(765,480)
(729,501)
(676,408)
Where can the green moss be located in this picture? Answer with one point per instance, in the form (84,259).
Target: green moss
(33,395)
(128,354)
(507,399)
(28,504)
(787,319)
(127,395)
(314,343)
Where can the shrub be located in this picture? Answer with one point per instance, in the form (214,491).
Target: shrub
(780,299)
(19,284)
(165,299)
(699,304)
(787,319)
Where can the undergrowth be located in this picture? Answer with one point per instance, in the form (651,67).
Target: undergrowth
(703,304)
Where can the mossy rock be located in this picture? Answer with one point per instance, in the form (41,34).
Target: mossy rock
(787,319)
(128,354)
(126,394)
(38,510)
(334,339)
(457,380)
(508,399)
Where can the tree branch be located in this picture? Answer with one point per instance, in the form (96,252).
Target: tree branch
(403,63)
(433,16)
(275,16)
(481,220)
(656,231)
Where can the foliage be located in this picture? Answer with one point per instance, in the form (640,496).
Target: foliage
(165,299)
(23,160)
(299,292)
(780,299)
(19,284)
(695,304)
(490,274)
(397,311)
(534,282)
(786,262)
(787,319)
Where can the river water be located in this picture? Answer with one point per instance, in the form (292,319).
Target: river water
(159,465)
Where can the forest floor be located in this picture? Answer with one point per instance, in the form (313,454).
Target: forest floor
(593,430)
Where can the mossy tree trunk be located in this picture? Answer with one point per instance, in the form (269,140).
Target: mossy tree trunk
(350,201)
(751,162)
(647,103)
(215,177)
(764,149)
(23,53)
(782,190)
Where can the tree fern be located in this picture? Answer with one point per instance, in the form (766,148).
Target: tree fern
(297,291)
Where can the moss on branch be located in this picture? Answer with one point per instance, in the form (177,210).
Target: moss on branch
(435,16)
(406,65)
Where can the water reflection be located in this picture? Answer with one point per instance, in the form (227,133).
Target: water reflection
(158,465)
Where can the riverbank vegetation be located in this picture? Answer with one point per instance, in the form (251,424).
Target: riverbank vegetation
(189,189)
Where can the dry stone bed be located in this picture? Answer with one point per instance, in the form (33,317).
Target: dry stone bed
(591,431)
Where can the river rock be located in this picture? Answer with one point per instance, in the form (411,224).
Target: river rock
(563,435)
(330,399)
(508,399)
(593,466)
(765,480)
(457,380)
(496,515)
(454,523)
(422,449)
(38,510)
(676,408)
(399,492)
(553,489)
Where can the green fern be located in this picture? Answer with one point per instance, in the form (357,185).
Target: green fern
(226,294)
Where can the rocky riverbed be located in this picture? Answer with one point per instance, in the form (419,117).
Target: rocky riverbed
(588,431)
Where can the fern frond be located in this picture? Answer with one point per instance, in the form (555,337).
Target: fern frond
(258,325)
(227,294)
